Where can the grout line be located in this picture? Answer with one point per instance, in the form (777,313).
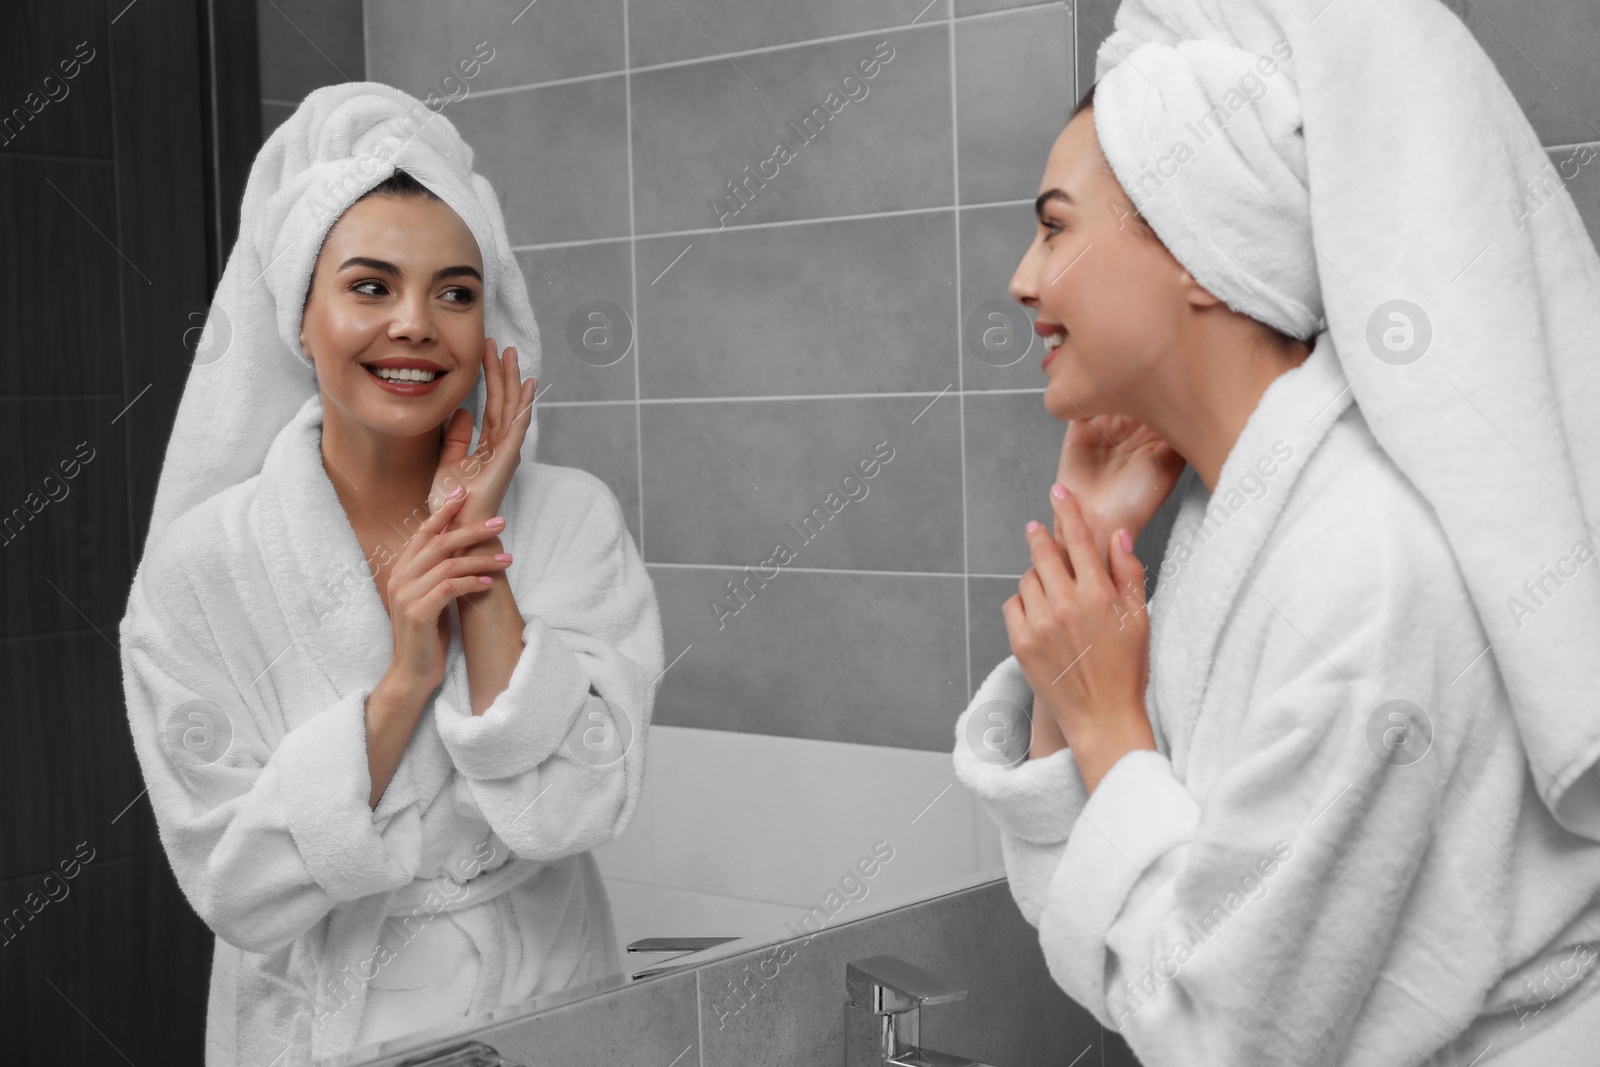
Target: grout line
(795,396)
(633,280)
(647,68)
(758,225)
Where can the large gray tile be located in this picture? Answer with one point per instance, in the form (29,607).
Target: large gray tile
(305,45)
(986,624)
(1545,51)
(1014,86)
(587,348)
(993,242)
(981,7)
(557,157)
(827,307)
(863,658)
(724,481)
(1093,21)
(783,1004)
(600,439)
(639,1024)
(417,45)
(697,127)
(662,32)
(1013,447)
(644,1024)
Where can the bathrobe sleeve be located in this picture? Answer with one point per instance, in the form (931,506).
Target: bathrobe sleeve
(1252,927)
(264,839)
(556,762)
(1033,802)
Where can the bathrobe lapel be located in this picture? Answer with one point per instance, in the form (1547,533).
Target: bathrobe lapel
(1204,571)
(325,590)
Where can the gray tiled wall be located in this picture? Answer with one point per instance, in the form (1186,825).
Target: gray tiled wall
(769,349)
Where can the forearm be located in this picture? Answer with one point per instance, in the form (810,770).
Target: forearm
(491,633)
(393,709)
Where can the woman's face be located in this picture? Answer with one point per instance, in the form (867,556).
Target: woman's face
(397,281)
(1094,273)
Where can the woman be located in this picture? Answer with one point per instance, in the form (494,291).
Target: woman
(1257,820)
(387,689)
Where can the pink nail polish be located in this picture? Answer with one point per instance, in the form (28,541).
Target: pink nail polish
(455,494)
(497,521)
(503,557)
(1058,491)
(485,579)
(1126,539)
(1034,524)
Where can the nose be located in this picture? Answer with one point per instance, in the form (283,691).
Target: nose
(413,319)
(1023,286)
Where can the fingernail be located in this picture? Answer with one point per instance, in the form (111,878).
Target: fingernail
(455,494)
(1033,524)
(485,579)
(1126,539)
(503,557)
(1058,491)
(497,521)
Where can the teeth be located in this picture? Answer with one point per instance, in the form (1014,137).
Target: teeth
(405,375)
(1052,341)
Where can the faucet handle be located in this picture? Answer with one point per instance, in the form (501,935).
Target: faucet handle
(888,985)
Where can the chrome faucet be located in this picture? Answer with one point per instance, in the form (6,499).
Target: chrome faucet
(883,1014)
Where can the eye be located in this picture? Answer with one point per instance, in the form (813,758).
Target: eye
(1051,228)
(467,295)
(358,287)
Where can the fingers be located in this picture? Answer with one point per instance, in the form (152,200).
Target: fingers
(1048,563)
(431,527)
(1127,572)
(492,381)
(1080,549)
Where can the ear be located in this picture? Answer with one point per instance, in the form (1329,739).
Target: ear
(1194,292)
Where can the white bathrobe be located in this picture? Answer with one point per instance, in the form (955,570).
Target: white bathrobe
(253,636)
(1263,888)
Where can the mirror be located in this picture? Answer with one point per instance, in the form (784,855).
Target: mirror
(769,268)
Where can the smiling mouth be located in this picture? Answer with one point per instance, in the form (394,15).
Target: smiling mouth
(404,376)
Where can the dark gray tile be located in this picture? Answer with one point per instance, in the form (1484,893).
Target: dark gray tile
(827,307)
(1013,448)
(993,242)
(1545,49)
(64,540)
(557,157)
(306,44)
(863,658)
(687,29)
(273,116)
(1014,85)
(784,1004)
(587,348)
(600,439)
(420,45)
(869,144)
(724,481)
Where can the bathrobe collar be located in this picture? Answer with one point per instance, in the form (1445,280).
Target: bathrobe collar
(1204,571)
(325,589)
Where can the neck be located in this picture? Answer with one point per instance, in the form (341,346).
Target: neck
(1225,368)
(380,479)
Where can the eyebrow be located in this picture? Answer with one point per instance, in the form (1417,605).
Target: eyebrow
(384,266)
(1049,195)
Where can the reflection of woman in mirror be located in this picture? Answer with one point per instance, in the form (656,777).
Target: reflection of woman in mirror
(1327,797)
(388,686)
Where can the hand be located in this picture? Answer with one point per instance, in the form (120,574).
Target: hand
(1081,634)
(1120,470)
(507,414)
(426,576)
